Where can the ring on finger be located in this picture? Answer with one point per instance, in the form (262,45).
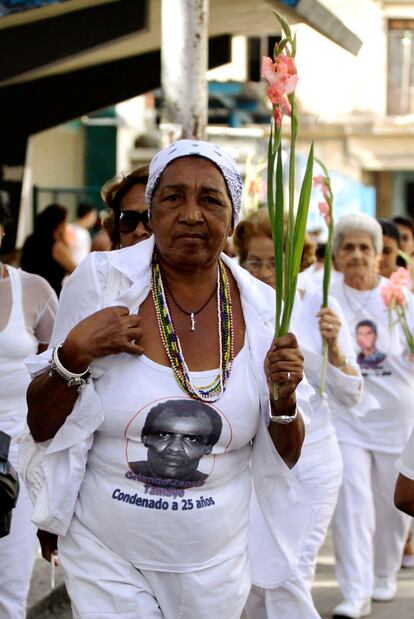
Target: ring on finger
(329,327)
(288,377)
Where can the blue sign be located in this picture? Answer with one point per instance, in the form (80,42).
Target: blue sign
(290,2)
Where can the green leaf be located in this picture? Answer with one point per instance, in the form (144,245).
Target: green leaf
(270,175)
(302,214)
(328,251)
(278,237)
(290,236)
(294,41)
(279,47)
(282,21)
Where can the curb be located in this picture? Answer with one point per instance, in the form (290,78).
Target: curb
(51,603)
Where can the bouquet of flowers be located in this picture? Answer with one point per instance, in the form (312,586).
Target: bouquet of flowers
(393,296)
(281,76)
(326,210)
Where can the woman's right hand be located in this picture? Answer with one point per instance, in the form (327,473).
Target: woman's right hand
(107,332)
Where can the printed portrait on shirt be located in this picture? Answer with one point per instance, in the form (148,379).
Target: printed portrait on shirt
(175,438)
(369,357)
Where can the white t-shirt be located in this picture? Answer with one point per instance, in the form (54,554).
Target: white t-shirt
(168,479)
(405,463)
(385,417)
(345,387)
(27,309)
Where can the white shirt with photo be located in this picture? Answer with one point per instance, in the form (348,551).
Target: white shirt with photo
(384,418)
(83,452)
(170,524)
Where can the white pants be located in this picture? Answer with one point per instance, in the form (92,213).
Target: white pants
(319,471)
(369,531)
(292,600)
(101,583)
(17,556)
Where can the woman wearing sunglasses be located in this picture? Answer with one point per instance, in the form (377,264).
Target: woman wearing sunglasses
(128,223)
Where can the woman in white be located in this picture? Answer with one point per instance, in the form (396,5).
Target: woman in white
(155,451)
(319,469)
(369,532)
(27,310)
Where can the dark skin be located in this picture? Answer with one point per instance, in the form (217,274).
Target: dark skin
(404,495)
(191,220)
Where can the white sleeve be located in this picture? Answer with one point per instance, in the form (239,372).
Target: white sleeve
(81,295)
(345,388)
(405,463)
(55,481)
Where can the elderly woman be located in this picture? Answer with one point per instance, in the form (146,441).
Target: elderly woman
(369,532)
(128,222)
(319,469)
(150,407)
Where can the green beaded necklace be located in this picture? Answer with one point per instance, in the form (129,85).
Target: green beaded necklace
(171,342)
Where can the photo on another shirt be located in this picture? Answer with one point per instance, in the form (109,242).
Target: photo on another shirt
(170,442)
(369,357)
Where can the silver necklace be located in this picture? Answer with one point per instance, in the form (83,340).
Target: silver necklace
(364,304)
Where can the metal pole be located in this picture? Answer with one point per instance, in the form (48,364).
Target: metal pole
(184,63)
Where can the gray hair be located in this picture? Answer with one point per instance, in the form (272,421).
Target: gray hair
(357,222)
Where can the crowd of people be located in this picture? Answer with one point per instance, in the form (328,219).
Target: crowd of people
(164,467)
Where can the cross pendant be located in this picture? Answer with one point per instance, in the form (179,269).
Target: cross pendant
(193,322)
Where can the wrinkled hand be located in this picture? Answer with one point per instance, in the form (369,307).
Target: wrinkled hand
(107,332)
(48,544)
(329,324)
(284,366)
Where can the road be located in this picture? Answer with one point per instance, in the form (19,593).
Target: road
(326,593)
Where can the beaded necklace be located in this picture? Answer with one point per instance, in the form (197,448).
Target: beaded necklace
(171,342)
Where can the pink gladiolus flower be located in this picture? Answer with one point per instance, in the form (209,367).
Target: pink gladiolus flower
(402,278)
(282,79)
(319,180)
(288,62)
(275,94)
(393,292)
(386,295)
(325,211)
(278,116)
(322,182)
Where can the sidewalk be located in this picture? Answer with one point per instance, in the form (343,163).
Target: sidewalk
(44,604)
(327,595)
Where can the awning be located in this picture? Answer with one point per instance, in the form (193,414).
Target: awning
(318,17)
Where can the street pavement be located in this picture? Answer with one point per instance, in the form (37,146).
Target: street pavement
(43,605)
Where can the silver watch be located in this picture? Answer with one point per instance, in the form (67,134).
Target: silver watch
(284,419)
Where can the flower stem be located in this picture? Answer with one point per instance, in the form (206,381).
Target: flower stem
(324,366)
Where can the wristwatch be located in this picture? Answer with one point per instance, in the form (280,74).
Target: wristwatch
(283,419)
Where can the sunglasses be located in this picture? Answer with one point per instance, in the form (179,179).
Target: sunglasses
(128,220)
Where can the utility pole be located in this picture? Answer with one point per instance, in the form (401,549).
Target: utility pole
(184,63)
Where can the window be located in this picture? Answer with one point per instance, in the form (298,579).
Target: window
(257,47)
(400,95)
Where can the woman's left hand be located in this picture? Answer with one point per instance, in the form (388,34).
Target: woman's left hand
(284,365)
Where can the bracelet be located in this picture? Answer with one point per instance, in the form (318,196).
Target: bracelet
(72,379)
(284,419)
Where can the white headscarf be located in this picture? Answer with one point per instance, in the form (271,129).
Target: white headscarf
(212,152)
